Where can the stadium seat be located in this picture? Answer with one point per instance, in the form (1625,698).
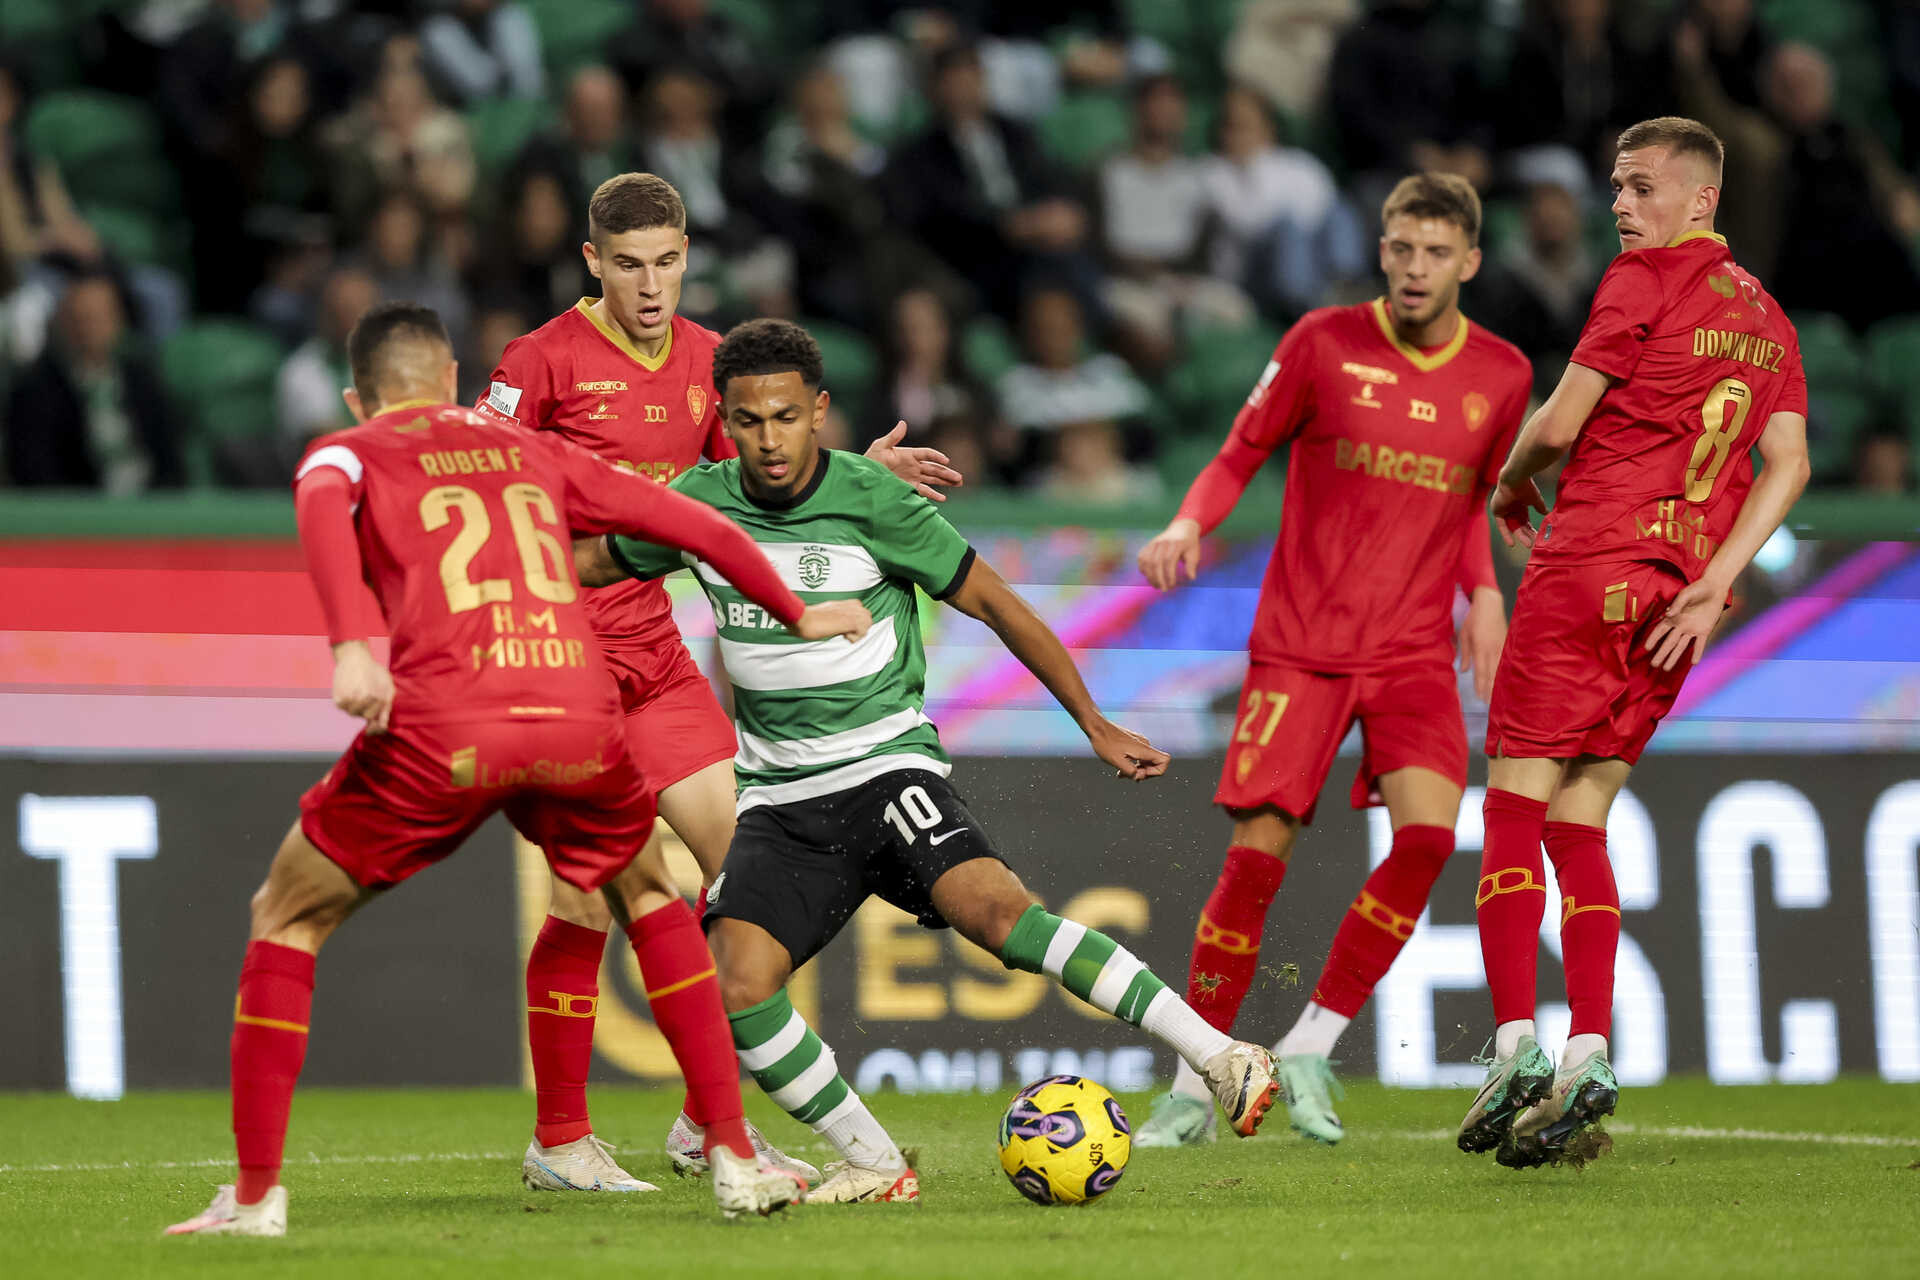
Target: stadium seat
(987,349)
(138,236)
(1209,386)
(221,374)
(500,128)
(1840,397)
(574,33)
(107,148)
(851,364)
(1085,128)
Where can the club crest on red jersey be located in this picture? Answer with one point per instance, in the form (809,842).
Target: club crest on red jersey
(1476,407)
(697,401)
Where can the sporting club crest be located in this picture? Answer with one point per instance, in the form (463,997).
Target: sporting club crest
(815,568)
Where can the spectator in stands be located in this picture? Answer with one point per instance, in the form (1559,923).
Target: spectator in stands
(274,183)
(532,264)
(39,226)
(407,265)
(823,201)
(1574,81)
(1282,49)
(480,49)
(1088,464)
(1737,46)
(1535,290)
(397,138)
(1284,233)
(307,392)
(1155,220)
(1404,97)
(686,35)
(90,413)
(595,143)
(922,382)
(1832,216)
(975,189)
(682,141)
(498,322)
(1883,463)
(1060,385)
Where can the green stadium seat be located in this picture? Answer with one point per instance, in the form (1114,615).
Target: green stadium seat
(852,367)
(1208,387)
(500,128)
(574,33)
(221,374)
(140,237)
(987,349)
(1085,128)
(107,148)
(1839,393)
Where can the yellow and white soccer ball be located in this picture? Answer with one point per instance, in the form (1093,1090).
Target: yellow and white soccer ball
(1064,1140)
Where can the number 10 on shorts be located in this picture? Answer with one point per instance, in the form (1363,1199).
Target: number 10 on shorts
(916,804)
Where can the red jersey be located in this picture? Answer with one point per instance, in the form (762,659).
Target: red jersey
(580,376)
(463,528)
(1700,356)
(1393,452)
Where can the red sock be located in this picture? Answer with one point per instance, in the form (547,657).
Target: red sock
(563,992)
(1381,919)
(1226,946)
(681,987)
(270,1017)
(1511,900)
(1589,922)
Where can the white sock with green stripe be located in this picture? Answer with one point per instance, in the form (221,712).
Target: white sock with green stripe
(797,1070)
(1112,979)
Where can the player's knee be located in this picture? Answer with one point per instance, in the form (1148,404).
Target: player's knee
(744,990)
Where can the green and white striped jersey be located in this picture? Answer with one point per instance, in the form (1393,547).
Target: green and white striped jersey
(820,716)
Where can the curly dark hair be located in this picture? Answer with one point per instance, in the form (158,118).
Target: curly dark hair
(757,347)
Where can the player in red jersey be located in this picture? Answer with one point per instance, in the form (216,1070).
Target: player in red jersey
(497,698)
(1685,365)
(625,376)
(1397,413)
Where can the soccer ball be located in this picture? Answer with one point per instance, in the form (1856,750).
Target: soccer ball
(1064,1141)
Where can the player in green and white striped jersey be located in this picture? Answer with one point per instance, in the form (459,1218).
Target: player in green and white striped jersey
(843,782)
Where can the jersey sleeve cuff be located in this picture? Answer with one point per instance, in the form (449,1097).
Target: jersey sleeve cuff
(620,557)
(959,575)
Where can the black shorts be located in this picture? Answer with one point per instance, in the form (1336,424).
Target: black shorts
(801,870)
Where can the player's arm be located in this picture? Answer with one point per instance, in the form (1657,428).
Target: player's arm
(1694,612)
(1483,632)
(985,595)
(1549,433)
(323,498)
(1275,409)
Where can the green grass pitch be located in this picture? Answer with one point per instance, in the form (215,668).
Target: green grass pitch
(1702,1182)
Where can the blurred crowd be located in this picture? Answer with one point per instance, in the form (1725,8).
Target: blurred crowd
(1056,237)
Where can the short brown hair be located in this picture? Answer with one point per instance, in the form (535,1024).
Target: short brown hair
(387,344)
(1680,136)
(634,202)
(1447,196)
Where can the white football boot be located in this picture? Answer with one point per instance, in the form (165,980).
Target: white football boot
(585,1164)
(226,1216)
(1244,1081)
(849,1183)
(742,1186)
(687,1142)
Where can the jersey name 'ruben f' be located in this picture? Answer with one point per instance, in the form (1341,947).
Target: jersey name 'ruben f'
(816,717)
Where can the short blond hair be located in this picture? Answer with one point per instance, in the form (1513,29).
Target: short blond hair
(1446,196)
(1681,136)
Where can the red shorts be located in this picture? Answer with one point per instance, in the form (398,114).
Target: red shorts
(1289,725)
(400,801)
(1575,678)
(675,727)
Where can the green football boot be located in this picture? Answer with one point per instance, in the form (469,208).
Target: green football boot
(1309,1088)
(1513,1083)
(1177,1121)
(1541,1134)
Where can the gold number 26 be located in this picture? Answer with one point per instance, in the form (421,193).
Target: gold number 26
(543,558)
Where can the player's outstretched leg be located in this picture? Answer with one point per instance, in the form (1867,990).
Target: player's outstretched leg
(1509,905)
(1226,958)
(305,898)
(798,1071)
(1584,1088)
(1368,941)
(1112,979)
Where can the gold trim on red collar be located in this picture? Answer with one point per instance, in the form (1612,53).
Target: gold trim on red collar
(1419,359)
(612,333)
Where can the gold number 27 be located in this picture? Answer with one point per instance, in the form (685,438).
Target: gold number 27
(1276,705)
(1718,431)
(543,558)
